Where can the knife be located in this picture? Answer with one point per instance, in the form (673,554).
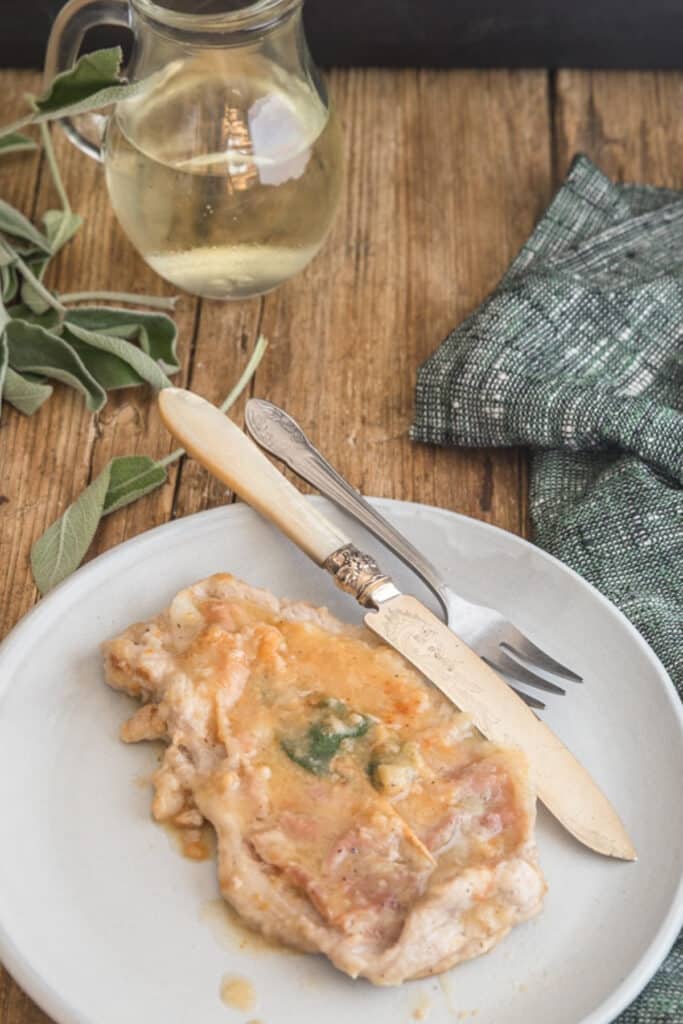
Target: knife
(563,784)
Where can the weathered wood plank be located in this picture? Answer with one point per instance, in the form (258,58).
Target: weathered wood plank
(15,1005)
(27,463)
(446,174)
(24,463)
(628,122)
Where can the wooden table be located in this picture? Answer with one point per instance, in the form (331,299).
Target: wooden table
(447,173)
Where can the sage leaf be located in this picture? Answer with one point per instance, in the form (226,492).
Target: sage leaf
(132,476)
(156,333)
(25,393)
(60,227)
(93,82)
(33,349)
(63,546)
(50,319)
(9,282)
(129,477)
(12,222)
(53,167)
(109,371)
(30,296)
(15,142)
(90,74)
(38,288)
(138,360)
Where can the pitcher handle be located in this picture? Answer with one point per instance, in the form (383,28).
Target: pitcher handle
(70,25)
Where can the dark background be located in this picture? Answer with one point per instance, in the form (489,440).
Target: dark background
(441,33)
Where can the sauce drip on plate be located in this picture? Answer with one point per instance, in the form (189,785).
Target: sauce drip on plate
(237,992)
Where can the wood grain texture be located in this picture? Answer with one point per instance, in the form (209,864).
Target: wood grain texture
(26,494)
(629,123)
(446,174)
(25,463)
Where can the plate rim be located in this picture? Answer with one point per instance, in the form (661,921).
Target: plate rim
(18,962)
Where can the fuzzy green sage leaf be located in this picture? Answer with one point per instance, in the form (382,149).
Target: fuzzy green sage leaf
(62,547)
(143,365)
(16,142)
(60,227)
(128,477)
(9,282)
(13,223)
(132,476)
(156,333)
(91,74)
(109,371)
(50,319)
(24,392)
(32,349)
(92,83)
(33,299)
(37,289)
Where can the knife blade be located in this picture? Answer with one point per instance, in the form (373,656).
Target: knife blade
(563,784)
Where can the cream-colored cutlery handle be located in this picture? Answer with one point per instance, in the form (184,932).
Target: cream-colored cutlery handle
(214,441)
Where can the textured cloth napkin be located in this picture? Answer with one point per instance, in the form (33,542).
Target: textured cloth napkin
(579,354)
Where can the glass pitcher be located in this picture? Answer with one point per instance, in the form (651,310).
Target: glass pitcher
(225,172)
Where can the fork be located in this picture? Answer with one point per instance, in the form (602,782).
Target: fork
(496,640)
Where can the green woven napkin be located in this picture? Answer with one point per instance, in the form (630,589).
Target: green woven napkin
(579,354)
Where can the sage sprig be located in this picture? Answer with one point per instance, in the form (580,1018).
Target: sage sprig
(61,548)
(92,349)
(34,350)
(12,222)
(25,392)
(92,83)
(123,480)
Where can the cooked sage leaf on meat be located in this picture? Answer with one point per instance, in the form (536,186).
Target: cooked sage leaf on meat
(315,749)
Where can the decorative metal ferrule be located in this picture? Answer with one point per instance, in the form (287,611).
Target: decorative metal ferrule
(358,574)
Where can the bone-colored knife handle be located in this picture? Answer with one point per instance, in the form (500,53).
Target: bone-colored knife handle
(219,445)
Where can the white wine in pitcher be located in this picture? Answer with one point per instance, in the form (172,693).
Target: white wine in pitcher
(224,179)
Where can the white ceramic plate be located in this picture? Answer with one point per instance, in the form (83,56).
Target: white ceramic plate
(103,922)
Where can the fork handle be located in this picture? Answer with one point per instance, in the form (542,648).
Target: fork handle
(277,432)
